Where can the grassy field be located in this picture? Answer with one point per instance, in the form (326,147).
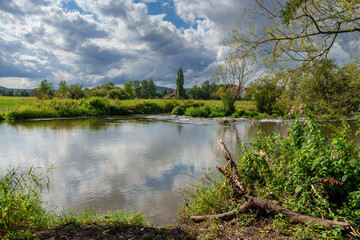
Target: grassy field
(9,103)
(16,108)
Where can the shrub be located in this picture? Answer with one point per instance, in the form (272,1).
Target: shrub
(31,113)
(178,110)
(74,112)
(168,105)
(239,113)
(260,116)
(217,112)
(2,117)
(252,114)
(117,93)
(116,108)
(274,115)
(147,107)
(203,111)
(309,173)
(97,106)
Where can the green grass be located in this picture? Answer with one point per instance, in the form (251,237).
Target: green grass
(17,108)
(309,172)
(23,213)
(9,103)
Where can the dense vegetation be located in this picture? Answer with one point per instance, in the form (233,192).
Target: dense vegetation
(327,88)
(309,172)
(98,106)
(23,213)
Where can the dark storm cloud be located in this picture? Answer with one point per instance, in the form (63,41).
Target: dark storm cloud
(90,42)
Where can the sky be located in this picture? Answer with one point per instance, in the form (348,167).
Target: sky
(94,42)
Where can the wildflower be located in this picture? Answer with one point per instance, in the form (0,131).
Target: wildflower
(350,163)
(300,109)
(306,122)
(253,123)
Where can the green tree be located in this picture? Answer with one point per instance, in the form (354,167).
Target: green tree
(196,93)
(144,89)
(129,89)
(265,94)
(235,71)
(63,90)
(75,91)
(45,90)
(118,93)
(137,88)
(299,32)
(180,90)
(151,88)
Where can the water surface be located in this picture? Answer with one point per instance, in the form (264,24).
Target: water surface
(134,163)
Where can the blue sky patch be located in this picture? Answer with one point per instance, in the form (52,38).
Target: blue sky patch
(167,7)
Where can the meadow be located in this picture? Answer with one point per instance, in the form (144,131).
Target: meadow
(19,108)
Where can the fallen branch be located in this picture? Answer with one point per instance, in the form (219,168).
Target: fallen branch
(258,203)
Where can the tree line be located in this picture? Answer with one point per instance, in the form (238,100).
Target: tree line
(17,93)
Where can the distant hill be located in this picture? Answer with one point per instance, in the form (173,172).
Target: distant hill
(1,87)
(159,89)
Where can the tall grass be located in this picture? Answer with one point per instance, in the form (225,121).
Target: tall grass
(309,172)
(30,108)
(23,213)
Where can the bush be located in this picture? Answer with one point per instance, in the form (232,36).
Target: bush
(97,106)
(203,111)
(178,110)
(217,112)
(168,105)
(260,116)
(118,94)
(147,107)
(309,173)
(2,117)
(31,113)
(274,115)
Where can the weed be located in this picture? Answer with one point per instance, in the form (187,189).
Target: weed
(309,172)
(203,111)
(178,110)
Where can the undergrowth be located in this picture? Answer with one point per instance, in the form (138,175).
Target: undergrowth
(308,172)
(23,213)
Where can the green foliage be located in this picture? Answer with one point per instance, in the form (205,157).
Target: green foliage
(309,173)
(23,213)
(2,117)
(207,195)
(203,111)
(217,112)
(118,94)
(265,94)
(228,101)
(147,107)
(178,110)
(20,200)
(27,112)
(97,106)
(180,90)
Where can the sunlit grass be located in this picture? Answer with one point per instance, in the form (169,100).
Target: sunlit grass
(9,103)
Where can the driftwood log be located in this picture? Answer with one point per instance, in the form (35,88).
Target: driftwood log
(258,203)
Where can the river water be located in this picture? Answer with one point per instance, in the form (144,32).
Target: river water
(134,163)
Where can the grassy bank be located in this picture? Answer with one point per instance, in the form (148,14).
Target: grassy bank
(306,171)
(30,108)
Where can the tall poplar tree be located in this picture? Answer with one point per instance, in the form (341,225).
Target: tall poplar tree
(180,90)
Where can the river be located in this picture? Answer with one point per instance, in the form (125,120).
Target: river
(134,163)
